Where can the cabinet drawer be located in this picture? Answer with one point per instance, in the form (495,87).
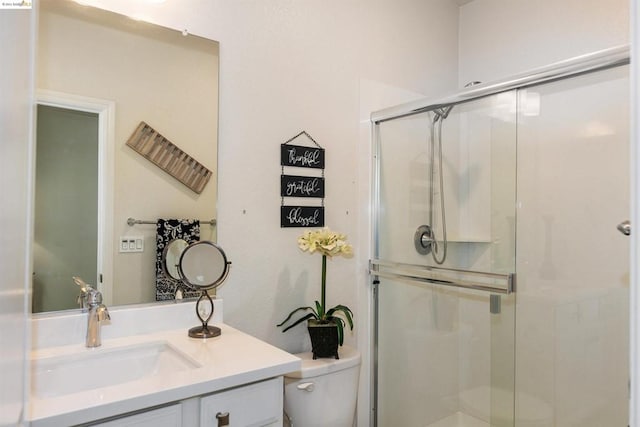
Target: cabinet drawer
(254,405)
(169,416)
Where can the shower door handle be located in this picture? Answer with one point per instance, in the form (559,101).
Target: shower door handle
(625,227)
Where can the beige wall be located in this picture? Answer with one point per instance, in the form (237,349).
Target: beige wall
(287,66)
(290,66)
(159,77)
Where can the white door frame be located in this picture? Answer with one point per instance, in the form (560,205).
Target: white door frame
(634,288)
(105,110)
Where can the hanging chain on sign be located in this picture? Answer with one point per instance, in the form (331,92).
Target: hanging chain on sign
(303,185)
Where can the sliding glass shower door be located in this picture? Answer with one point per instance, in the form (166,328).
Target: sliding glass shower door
(546,163)
(446,328)
(573,264)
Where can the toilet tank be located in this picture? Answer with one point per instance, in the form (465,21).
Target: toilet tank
(324,391)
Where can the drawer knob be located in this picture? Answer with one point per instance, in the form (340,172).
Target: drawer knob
(306,387)
(223,419)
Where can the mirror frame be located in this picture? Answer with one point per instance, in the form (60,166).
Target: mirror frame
(223,274)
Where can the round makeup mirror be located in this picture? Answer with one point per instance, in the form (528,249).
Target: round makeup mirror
(171,258)
(204,266)
(201,266)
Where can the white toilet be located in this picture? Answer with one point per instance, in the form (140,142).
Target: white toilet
(324,392)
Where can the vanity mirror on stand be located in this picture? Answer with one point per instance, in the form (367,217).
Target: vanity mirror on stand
(202,266)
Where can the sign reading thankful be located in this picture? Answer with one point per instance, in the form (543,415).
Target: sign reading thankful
(302,157)
(302,186)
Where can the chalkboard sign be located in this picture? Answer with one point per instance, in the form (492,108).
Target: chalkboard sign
(302,157)
(301,216)
(301,186)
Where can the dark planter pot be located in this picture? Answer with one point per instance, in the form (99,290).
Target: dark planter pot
(324,339)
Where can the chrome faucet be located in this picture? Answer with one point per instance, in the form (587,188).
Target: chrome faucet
(90,300)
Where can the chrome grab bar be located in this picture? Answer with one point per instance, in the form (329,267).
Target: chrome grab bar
(475,280)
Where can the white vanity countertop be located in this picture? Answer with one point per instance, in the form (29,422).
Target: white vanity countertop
(230,360)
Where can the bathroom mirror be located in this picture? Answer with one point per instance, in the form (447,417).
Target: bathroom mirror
(139,72)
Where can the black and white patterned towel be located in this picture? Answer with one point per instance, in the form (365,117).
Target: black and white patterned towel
(166,231)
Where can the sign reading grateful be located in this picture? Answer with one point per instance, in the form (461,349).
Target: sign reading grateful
(302,186)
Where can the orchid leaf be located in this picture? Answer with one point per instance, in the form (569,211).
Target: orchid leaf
(300,320)
(347,313)
(343,309)
(340,323)
(294,312)
(319,310)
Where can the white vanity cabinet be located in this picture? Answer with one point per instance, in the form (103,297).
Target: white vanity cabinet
(191,383)
(255,405)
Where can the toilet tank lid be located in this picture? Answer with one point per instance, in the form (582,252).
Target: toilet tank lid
(349,357)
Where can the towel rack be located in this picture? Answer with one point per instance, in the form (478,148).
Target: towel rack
(480,281)
(132,221)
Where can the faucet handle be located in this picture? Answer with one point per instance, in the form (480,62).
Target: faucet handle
(88,295)
(81,300)
(84,287)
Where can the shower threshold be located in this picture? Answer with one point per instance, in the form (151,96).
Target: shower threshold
(459,419)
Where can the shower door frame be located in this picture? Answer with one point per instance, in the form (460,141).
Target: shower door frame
(592,62)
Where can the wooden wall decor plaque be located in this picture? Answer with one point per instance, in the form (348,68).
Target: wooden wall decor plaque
(154,147)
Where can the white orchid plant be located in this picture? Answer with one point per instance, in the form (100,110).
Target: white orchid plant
(328,244)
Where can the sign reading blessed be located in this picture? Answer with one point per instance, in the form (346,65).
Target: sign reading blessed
(301,216)
(302,186)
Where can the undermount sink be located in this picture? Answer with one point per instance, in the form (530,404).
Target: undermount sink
(103,367)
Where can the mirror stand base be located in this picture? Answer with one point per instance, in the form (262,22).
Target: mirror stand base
(204,331)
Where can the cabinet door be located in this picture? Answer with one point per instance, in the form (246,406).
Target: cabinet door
(254,405)
(169,416)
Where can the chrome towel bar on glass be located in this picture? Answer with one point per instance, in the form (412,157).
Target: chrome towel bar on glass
(132,221)
(480,281)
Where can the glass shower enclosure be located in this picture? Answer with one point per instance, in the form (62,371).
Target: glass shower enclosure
(500,281)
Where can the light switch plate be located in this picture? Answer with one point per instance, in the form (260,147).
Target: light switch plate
(129,244)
